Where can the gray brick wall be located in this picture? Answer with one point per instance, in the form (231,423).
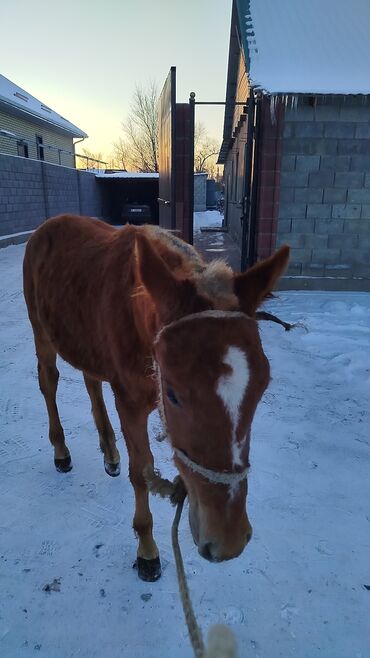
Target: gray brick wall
(61,190)
(325,187)
(31,191)
(91,195)
(22,204)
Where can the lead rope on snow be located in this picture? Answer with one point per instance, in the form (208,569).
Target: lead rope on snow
(221,642)
(193,628)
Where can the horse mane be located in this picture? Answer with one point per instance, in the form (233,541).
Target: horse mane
(214,280)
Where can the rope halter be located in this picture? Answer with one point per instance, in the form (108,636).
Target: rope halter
(229,478)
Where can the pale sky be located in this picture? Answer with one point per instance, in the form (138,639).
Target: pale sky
(83,58)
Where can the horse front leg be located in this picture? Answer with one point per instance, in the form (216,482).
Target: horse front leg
(134,421)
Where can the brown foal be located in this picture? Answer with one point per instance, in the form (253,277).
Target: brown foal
(139,308)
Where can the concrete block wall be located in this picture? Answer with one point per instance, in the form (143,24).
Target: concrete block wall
(22,203)
(61,190)
(324,211)
(31,191)
(91,195)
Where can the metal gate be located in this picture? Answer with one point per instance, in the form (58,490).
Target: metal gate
(167,152)
(176,161)
(250,193)
(176,166)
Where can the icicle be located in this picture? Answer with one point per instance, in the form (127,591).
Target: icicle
(249,29)
(273,102)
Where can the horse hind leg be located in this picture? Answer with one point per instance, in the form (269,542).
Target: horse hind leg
(107,438)
(48,381)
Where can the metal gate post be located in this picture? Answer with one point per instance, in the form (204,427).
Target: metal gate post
(252,169)
(246,218)
(252,247)
(191,164)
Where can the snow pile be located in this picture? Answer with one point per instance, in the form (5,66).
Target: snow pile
(67,585)
(207,219)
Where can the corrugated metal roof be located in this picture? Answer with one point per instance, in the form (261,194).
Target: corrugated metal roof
(232,75)
(307,46)
(20,100)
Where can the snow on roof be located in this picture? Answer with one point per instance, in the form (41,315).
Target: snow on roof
(12,95)
(307,46)
(135,174)
(127,174)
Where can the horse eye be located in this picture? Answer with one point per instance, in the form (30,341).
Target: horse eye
(172,397)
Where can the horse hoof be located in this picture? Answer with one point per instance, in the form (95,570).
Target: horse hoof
(148,570)
(112,469)
(63,465)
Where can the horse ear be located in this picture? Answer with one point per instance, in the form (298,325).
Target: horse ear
(254,285)
(170,295)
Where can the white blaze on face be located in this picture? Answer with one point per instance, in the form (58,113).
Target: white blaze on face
(231,388)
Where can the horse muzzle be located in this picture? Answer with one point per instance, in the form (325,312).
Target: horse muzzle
(215,547)
(217,552)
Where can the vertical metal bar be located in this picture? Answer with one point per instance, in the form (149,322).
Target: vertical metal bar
(191,165)
(248,183)
(173,148)
(252,250)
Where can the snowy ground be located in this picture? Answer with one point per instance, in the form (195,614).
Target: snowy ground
(299,588)
(207,219)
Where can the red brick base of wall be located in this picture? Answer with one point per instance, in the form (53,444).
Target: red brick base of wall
(269,178)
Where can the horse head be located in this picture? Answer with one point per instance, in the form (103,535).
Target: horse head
(212,373)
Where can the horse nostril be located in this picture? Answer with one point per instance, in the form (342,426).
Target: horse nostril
(249,536)
(206,551)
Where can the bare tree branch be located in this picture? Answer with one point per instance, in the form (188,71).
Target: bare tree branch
(119,157)
(90,159)
(138,149)
(206,151)
(141,130)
